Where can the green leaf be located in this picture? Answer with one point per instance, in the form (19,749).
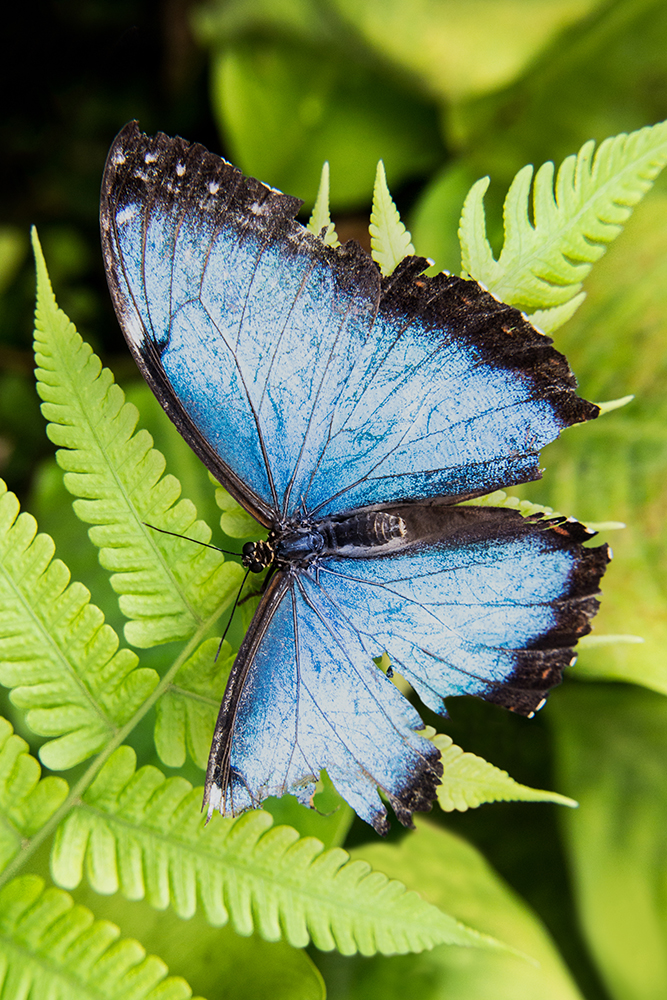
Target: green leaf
(544,260)
(501,499)
(469,781)
(285,107)
(168,586)
(615,404)
(27,801)
(611,743)
(56,652)
(452,874)
(52,948)
(145,835)
(320,218)
(216,961)
(460,49)
(390,240)
(235,521)
(186,712)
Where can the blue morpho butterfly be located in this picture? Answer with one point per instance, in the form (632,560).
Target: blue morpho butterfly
(349,413)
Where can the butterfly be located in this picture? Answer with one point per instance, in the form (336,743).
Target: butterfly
(351,415)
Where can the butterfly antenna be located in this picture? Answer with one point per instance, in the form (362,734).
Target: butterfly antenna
(206,545)
(236,604)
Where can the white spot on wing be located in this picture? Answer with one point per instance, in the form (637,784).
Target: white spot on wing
(126,214)
(133,328)
(213,187)
(150,157)
(180,169)
(118,158)
(214,800)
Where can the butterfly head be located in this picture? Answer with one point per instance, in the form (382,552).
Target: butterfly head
(257,556)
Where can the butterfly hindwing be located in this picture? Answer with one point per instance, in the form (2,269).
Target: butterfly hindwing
(303,696)
(475,600)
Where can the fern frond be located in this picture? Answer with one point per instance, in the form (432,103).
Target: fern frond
(469,781)
(27,801)
(51,949)
(167,586)
(320,218)
(390,240)
(145,834)
(544,260)
(234,520)
(501,499)
(186,712)
(56,652)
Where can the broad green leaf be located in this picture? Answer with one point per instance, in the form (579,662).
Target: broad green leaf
(145,835)
(468,781)
(58,656)
(320,219)
(598,78)
(453,875)
(168,587)
(50,948)
(216,961)
(284,108)
(545,258)
(390,240)
(221,22)
(27,801)
(611,744)
(463,47)
(186,712)
(613,468)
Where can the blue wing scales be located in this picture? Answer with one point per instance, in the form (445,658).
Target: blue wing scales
(473,601)
(304,696)
(306,382)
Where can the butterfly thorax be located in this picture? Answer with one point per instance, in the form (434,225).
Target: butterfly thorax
(300,544)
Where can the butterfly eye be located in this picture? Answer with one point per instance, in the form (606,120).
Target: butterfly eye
(256,556)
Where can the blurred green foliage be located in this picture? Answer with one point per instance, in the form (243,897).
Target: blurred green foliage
(445,91)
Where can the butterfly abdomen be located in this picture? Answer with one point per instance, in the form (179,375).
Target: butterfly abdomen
(366,530)
(301,544)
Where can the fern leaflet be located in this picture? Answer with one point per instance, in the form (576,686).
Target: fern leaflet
(234,520)
(27,801)
(168,586)
(145,834)
(186,712)
(320,218)
(390,240)
(50,948)
(56,652)
(544,261)
(469,781)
